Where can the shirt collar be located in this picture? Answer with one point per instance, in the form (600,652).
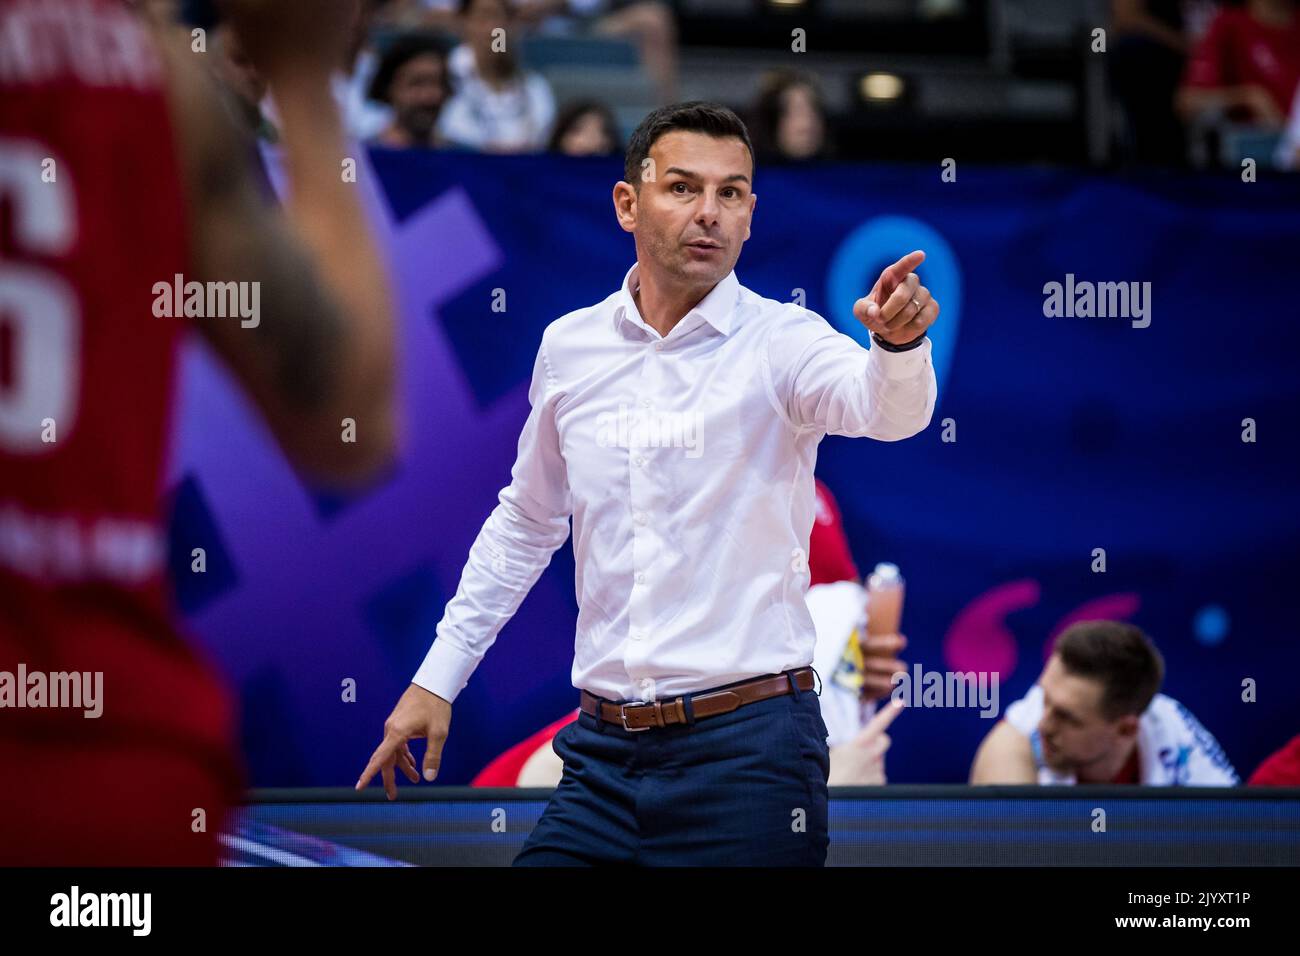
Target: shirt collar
(716,307)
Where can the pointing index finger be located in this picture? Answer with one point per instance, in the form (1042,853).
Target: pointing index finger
(899,270)
(883,717)
(896,274)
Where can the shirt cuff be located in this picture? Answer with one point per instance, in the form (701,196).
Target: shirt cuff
(445,671)
(901,365)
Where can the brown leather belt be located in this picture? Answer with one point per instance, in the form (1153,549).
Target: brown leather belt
(635,715)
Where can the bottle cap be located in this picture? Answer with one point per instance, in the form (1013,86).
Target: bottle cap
(886,572)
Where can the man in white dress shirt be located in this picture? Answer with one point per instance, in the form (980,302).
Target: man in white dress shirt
(677,423)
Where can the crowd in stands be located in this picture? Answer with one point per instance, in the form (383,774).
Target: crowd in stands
(446,74)
(1185,71)
(1191,79)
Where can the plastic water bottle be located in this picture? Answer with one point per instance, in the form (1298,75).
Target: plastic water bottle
(884,599)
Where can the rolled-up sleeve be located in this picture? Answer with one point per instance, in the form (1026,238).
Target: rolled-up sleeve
(823,379)
(530,521)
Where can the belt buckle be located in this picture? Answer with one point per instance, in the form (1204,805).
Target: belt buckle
(622,713)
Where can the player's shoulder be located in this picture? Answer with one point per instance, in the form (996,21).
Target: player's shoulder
(1174,714)
(1023,715)
(1171,719)
(1171,712)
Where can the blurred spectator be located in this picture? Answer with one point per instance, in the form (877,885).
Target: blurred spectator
(586,128)
(1146,62)
(498,106)
(789,119)
(363,118)
(1247,65)
(412,80)
(244,86)
(650,24)
(1096,716)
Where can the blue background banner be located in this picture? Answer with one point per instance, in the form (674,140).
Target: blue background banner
(1071,434)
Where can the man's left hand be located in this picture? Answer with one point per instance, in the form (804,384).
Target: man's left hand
(898,308)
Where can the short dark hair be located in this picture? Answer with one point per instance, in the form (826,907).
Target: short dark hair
(1120,656)
(401,51)
(696,116)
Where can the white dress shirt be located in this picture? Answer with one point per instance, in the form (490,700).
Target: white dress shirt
(686,463)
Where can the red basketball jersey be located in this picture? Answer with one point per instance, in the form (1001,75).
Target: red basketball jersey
(92,215)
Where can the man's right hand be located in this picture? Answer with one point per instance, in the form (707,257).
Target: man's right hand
(418,713)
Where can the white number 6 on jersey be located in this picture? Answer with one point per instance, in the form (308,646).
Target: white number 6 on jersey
(40,320)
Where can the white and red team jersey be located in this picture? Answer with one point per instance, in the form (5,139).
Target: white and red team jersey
(92,215)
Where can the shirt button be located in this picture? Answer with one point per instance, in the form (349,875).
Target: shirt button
(639,517)
(659,346)
(640,577)
(640,461)
(636,634)
(645,402)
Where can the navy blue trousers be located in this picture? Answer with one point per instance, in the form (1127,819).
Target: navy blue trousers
(746,788)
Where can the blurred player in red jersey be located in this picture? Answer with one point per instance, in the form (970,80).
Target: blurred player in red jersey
(119,169)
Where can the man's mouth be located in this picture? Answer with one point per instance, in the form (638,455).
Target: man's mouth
(704,246)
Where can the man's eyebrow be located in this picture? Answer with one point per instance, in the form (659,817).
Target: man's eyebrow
(690,175)
(1067,714)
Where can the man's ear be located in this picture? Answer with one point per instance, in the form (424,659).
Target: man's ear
(1128,725)
(625,199)
(753,201)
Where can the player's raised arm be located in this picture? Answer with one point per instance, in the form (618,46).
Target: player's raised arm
(322,349)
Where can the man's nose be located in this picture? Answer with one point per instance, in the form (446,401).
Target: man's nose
(708,209)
